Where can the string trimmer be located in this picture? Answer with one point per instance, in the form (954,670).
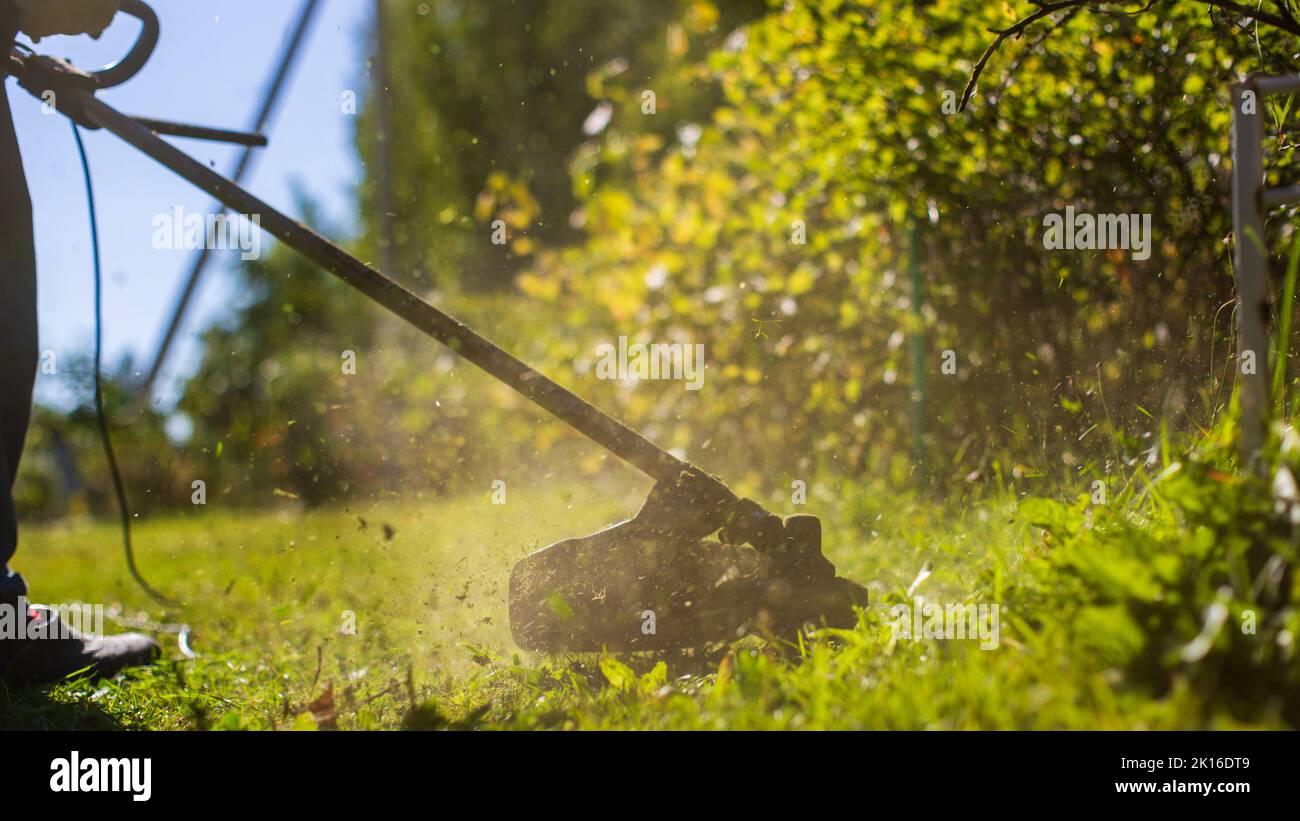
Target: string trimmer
(655,581)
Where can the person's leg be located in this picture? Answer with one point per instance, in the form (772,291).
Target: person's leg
(18,340)
(46,650)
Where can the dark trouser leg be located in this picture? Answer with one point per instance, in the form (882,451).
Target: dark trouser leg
(18,353)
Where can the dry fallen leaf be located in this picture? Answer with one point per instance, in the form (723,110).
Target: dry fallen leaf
(322,709)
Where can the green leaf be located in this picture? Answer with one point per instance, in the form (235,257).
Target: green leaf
(618,674)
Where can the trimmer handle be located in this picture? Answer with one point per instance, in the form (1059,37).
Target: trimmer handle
(130,65)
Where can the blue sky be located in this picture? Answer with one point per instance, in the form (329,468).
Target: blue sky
(210,68)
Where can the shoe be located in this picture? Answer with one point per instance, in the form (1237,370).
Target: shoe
(49,650)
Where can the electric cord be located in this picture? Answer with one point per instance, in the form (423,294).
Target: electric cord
(106,440)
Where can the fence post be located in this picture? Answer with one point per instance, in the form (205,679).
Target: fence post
(1251,264)
(917,346)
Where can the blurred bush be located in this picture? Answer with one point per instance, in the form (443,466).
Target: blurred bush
(839,117)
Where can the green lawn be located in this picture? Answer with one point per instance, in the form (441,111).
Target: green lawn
(1090,616)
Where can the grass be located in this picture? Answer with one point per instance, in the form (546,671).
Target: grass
(270,602)
(1108,616)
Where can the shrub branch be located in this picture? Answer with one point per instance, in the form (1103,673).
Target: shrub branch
(1285,21)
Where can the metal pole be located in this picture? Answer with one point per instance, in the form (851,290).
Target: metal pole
(917,349)
(201,258)
(387,245)
(1250,261)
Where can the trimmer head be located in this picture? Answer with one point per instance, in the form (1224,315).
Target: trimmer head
(655,582)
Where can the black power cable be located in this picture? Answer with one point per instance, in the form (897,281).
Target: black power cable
(118,487)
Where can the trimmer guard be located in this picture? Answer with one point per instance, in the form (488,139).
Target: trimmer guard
(641,585)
